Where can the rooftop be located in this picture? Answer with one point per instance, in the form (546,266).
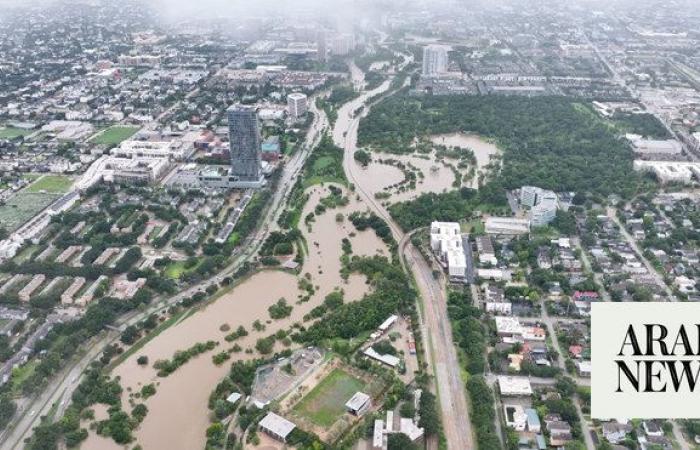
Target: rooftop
(277,425)
(357,401)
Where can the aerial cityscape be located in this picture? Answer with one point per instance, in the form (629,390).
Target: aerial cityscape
(367,225)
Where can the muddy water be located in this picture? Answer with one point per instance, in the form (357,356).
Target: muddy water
(379,177)
(356,75)
(181,399)
(483,150)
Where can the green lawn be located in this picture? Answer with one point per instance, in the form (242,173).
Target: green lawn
(23,206)
(52,184)
(326,402)
(175,269)
(322,163)
(11,132)
(114,135)
(20,374)
(233,238)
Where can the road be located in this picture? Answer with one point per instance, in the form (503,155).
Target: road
(62,388)
(549,323)
(438,332)
(690,151)
(597,277)
(612,214)
(680,438)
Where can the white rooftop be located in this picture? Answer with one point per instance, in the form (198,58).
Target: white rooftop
(388,322)
(389,360)
(508,324)
(410,429)
(514,385)
(233,398)
(277,425)
(357,401)
(378,437)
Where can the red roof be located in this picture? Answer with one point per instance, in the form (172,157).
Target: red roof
(583,295)
(576,350)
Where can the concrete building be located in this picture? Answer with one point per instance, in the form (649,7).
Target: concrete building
(342,44)
(670,171)
(434,60)
(152,150)
(390,360)
(507,226)
(359,404)
(514,386)
(508,326)
(68,294)
(528,195)
(446,242)
(244,137)
(27,291)
(543,204)
(321,47)
(89,293)
(276,426)
(297,105)
(663,148)
(515,417)
(486,251)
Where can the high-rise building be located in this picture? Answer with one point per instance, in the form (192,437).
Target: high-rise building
(342,44)
(321,49)
(434,60)
(244,138)
(297,105)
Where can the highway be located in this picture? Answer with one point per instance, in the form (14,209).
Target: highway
(442,355)
(61,389)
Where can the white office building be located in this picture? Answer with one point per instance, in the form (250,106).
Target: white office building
(434,60)
(446,242)
(297,105)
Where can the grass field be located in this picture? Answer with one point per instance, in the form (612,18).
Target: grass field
(23,206)
(175,269)
(11,132)
(233,238)
(51,183)
(20,374)
(114,135)
(326,402)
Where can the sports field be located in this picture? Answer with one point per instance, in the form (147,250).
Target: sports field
(325,403)
(114,135)
(55,184)
(22,206)
(11,132)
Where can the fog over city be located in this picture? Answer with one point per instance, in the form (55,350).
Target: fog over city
(335,225)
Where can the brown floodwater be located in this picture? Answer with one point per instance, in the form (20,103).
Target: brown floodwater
(180,402)
(483,149)
(380,177)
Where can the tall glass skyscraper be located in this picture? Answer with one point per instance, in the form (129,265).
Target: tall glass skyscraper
(244,138)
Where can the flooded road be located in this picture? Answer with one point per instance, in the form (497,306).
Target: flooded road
(188,388)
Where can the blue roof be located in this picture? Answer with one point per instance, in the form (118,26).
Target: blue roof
(540,441)
(532,417)
(271,144)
